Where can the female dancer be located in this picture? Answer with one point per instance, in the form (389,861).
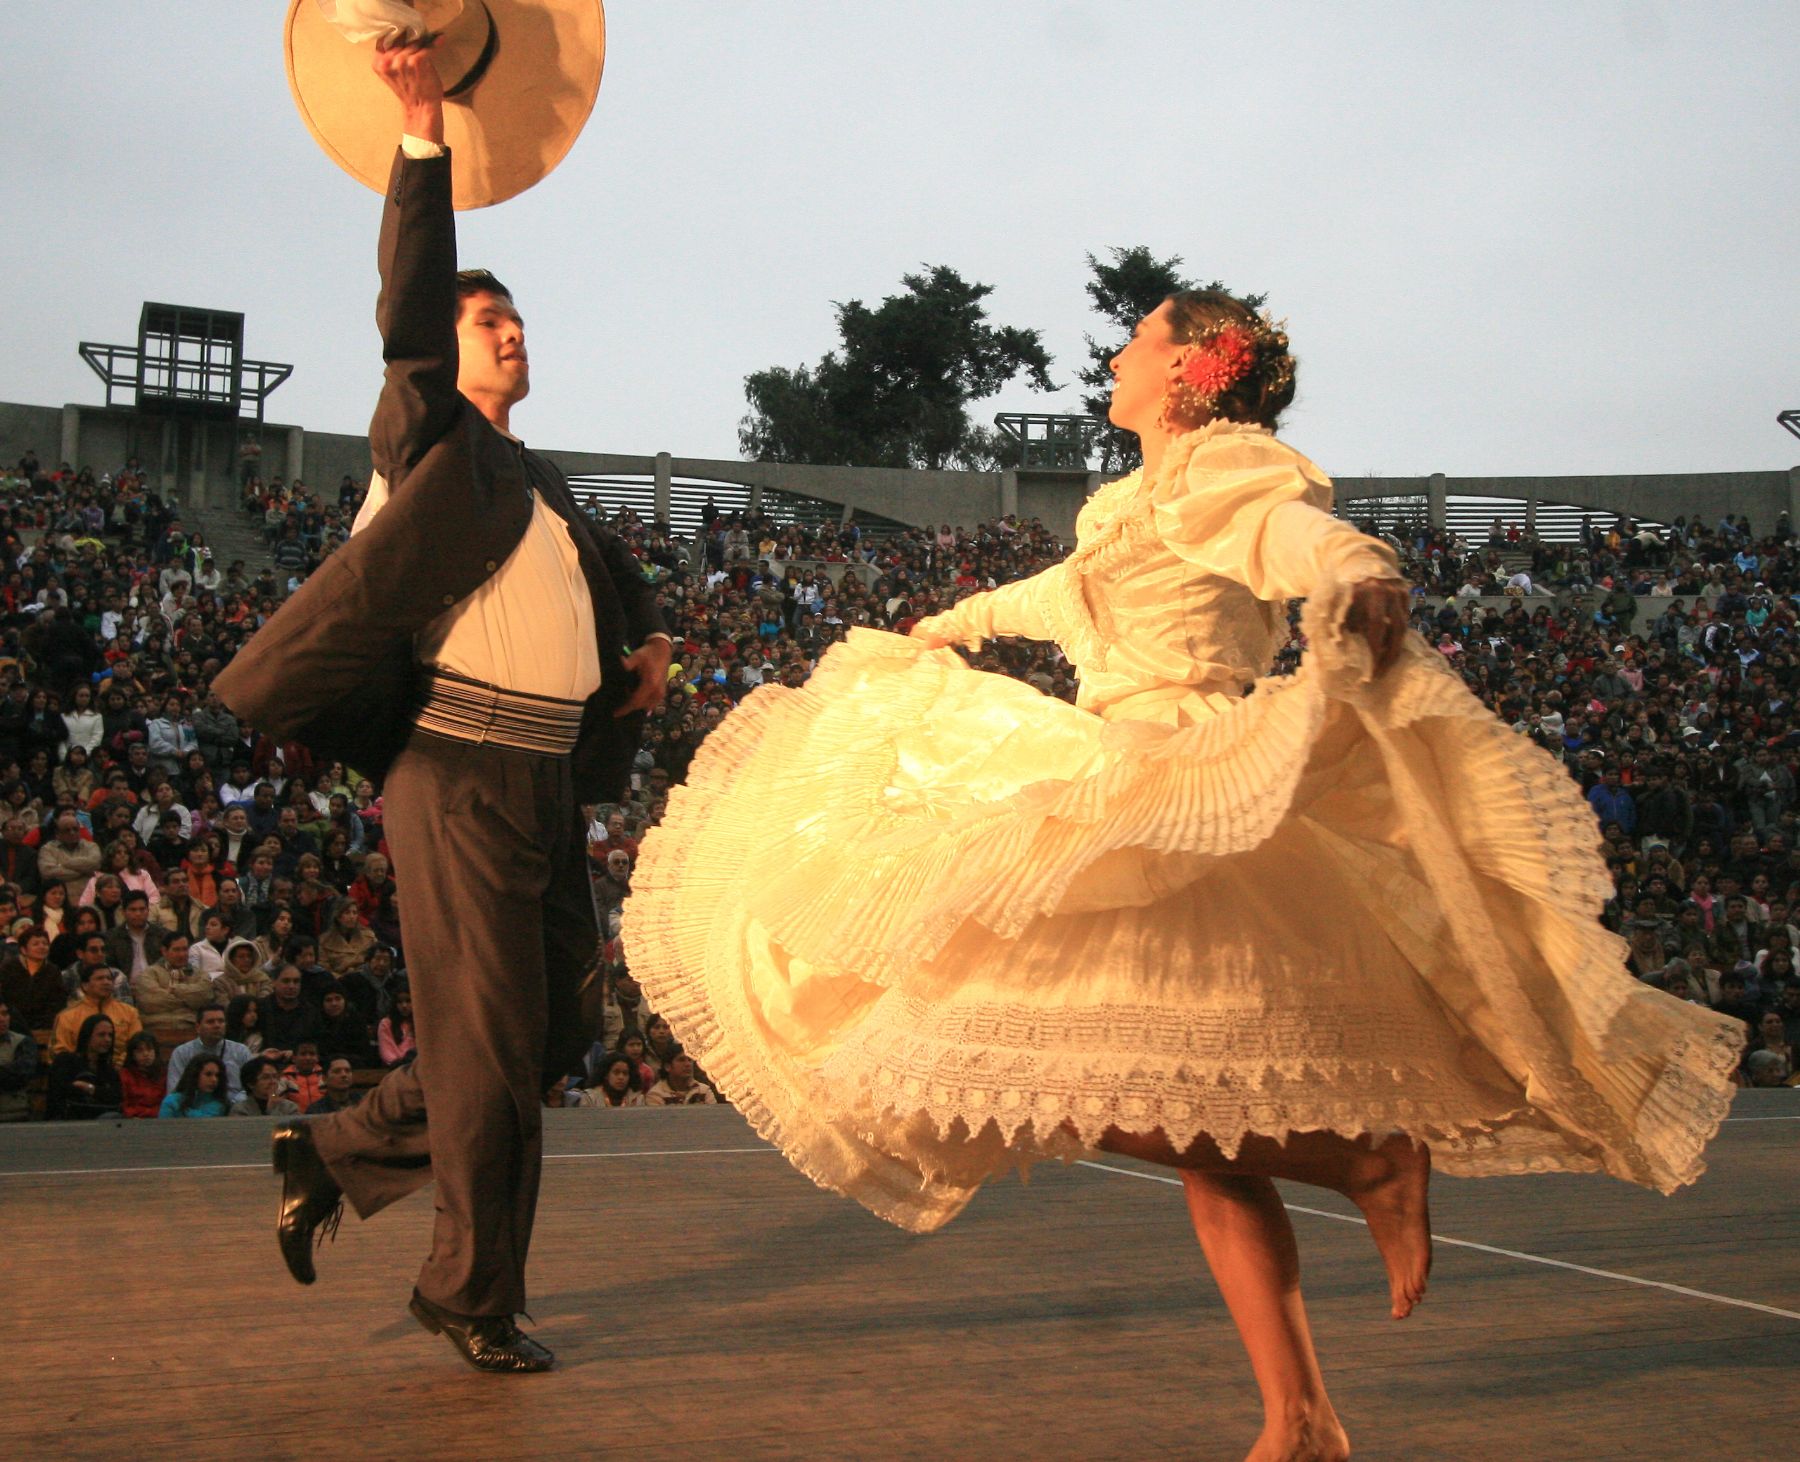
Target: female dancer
(1336,931)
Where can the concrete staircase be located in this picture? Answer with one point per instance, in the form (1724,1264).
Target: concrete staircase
(231,534)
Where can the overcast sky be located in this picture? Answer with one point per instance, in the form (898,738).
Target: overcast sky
(1509,238)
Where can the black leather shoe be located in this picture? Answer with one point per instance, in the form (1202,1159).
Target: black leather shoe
(310,1199)
(487,1342)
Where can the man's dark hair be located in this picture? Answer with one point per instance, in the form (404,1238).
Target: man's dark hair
(478,281)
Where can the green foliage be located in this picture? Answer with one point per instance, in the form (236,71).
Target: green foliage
(1123,291)
(896,390)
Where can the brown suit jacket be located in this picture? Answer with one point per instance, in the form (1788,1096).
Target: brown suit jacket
(334,667)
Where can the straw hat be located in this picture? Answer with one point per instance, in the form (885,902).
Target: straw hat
(520,77)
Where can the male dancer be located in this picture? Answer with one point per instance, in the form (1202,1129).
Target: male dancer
(470,637)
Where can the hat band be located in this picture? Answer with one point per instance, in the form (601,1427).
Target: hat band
(482,62)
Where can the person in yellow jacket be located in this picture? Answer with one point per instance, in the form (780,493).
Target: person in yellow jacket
(96,998)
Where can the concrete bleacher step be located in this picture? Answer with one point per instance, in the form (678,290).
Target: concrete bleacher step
(232,535)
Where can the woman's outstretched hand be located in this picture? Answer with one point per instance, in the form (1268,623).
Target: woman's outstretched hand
(932,633)
(1379,612)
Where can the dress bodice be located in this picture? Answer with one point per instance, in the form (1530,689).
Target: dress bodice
(1173,600)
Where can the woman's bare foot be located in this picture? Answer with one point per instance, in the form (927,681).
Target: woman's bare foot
(1390,1186)
(1312,1438)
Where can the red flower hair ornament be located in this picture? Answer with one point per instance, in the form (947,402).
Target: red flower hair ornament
(1222,359)
(1217,364)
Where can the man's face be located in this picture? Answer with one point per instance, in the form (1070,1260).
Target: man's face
(619,866)
(138,755)
(215,929)
(681,1070)
(68,831)
(337,1076)
(212,1027)
(237,821)
(306,1059)
(93,951)
(264,795)
(97,984)
(491,357)
(175,951)
(289,820)
(178,882)
(268,1083)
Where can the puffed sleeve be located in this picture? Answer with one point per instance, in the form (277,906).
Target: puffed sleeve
(1255,511)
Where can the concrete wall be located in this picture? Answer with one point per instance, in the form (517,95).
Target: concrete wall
(102,438)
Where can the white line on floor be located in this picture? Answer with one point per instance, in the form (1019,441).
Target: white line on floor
(1794,1118)
(1681,1289)
(223,1167)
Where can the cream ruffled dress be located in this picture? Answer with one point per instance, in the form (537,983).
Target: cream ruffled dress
(923,923)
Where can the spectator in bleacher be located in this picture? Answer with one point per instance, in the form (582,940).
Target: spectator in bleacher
(202,1090)
(84,1080)
(616,1083)
(90,954)
(94,998)
(18,858)
(240,972)
(342,1030)
(209,1041)
(371,989)
(614,884)
(70,858)
(303,1078)
(396,1042)
(340,1092)
(677,1086)
(171,993)
(31,985)
(262,1092)
(287,1017)
(142,1080)
(373,891)
(344,946)
(207,954)
(18,1068)
(177,909)
(135,943)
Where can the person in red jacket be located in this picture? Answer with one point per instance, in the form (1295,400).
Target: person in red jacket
(143,1080)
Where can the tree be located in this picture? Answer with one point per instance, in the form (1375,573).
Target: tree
(1123,291)
(896,390)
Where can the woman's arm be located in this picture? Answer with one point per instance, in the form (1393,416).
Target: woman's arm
(1024,607)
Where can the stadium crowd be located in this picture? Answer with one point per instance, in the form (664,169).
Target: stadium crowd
(198,921)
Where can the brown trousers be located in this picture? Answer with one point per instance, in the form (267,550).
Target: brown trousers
(491,854)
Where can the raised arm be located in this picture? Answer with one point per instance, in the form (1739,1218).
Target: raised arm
(416,311)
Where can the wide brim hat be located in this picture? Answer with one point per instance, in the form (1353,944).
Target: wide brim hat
(520,78)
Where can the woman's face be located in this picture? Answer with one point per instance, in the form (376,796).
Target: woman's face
(332,1005)
(100,1043)
(618,1076)
(143,1057)
(209,1079)
(1774,1032)
(1142,372)
(268,1083)
(283,924)
(403,1007)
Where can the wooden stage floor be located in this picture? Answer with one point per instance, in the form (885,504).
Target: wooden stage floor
(707,1302)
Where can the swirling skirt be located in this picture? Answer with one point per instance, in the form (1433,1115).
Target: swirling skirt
(924,924)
